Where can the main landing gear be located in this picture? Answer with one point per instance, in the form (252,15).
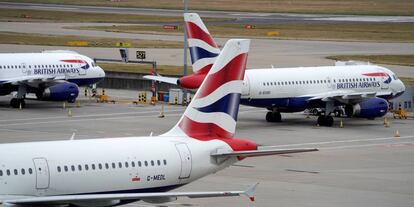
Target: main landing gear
(17,103)
(273,116)
(325,120)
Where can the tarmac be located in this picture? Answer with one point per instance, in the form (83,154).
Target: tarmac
(362,164)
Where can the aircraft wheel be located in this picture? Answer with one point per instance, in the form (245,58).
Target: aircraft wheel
(277,117)
(321,120)
(269,117)
(329,121)
(15,103)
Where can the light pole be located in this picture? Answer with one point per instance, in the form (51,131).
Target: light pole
(185,45)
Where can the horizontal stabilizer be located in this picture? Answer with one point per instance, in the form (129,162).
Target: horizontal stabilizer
(163,79)
(262,152)
(68,199)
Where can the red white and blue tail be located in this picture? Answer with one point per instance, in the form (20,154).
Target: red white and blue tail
(213,111)
(203,49)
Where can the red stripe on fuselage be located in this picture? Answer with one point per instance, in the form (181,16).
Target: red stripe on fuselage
(195,32)
(73,61)
(233,70)
(379,74)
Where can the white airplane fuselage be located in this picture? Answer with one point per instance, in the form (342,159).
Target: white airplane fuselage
(116,165)
(290,88)
(72,67)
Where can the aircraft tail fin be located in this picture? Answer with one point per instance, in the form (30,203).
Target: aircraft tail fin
(213,111)
(203,49)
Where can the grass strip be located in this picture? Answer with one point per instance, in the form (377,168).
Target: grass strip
(52,40)
(376,32)
(364,7)
(407,60)
(142,68)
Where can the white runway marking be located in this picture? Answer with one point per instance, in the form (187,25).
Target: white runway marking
(345,141)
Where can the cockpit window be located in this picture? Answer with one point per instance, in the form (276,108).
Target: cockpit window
(395,77)
(93,64)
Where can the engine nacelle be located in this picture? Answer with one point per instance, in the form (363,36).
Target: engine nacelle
(60,92)
(191,81)
(371,108)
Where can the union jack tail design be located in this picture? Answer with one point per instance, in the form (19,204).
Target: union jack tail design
(203,49)
(213,111)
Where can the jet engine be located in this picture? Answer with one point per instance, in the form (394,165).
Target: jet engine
(59,92)
(371,108)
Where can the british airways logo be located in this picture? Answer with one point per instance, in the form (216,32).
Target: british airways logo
(380,74)
(373,84)
(84,66)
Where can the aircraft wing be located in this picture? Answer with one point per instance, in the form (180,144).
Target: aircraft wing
(261,152)
(169,80)
(343,97)
(33,79)
(166,196)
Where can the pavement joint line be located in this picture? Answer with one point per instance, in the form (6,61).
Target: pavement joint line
(340,141)
(361,146)
(84,116)
(73,119)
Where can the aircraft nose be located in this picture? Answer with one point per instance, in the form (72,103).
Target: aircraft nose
(101,72)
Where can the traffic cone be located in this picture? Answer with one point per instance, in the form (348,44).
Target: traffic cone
(20,106)
(69,113)
(78,104)
(397,133)
(162,112)
(341,124)
(64,105)
(386,122)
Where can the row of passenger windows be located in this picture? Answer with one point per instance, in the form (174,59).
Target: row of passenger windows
(86,167)
(16,172)
(35,66)
(278,83)
(112,165)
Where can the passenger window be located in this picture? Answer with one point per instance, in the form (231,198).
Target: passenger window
(23,171)
(120,165)
(106,165)
(80,167)
(1,173)
(8,172)
(145,163)
(30,171)
(86,167)
(15,172)
(126,164)
(73,168)
(133,164)
(65,167)
(152,162)
(158,162)
(139,163)
(165,162)
(113,165)
(59,169)
(93,167)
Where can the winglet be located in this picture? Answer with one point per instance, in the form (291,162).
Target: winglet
(251,191)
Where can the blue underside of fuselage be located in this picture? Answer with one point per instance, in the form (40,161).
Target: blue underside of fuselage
(85,81)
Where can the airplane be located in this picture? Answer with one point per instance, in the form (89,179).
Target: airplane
(362,89)
(51,75)
(115,171)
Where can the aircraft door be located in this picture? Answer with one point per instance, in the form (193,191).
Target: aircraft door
(186,160)
(42,173)
(24,69)
(245,87)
